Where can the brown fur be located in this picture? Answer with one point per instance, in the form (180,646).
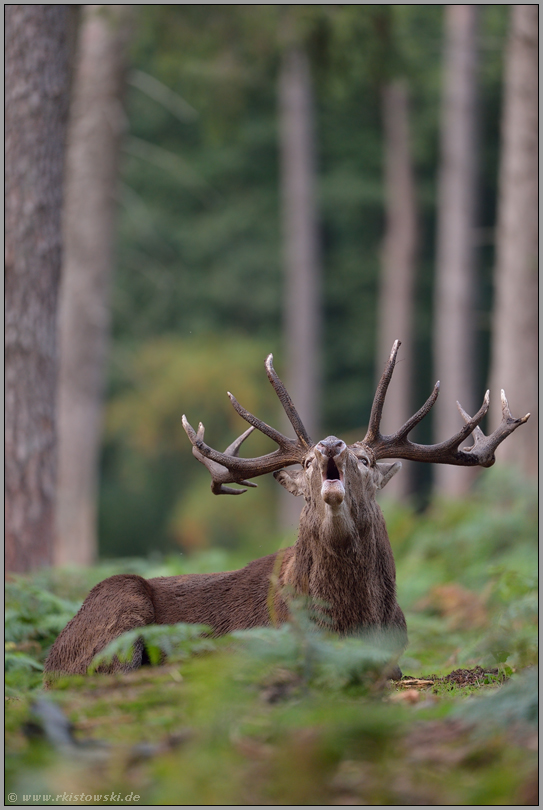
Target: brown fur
(342,559)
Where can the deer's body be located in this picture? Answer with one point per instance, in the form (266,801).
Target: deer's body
(342,559)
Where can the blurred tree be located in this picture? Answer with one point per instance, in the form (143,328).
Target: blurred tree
(456,287)
(199,252)
(515,318)
(302,280)
(97,123)
(37,88)
(199,247)
(372,48)
(397,284)
(396,289)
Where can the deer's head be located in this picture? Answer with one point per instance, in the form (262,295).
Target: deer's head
(334,474)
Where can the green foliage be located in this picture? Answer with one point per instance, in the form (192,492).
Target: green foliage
(294,715)
(458,540)
(34,616)
(171,375)
(465,574)
(19,661)
(315,657)
(152,488)
(174,642)
(513,638)
(517,701)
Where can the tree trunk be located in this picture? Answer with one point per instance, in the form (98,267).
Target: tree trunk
(92,162)
(36,86)
(515,320)
(456,286)
(396,294)
(301,253)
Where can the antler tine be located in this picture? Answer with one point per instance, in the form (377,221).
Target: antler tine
(263,427)
(227,467)
(476,433)
(219,475)
(421,413)
(287,403)
(397,445)
(484,446)
(233,449)
(481,453)
(288,406)
(373,432)
(236,470)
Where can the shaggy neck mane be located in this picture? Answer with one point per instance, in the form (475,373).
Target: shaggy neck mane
(335,561)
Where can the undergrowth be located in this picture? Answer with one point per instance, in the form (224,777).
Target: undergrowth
(295,715)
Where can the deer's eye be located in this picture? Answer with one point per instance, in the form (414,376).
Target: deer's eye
(364,461)
(308,462)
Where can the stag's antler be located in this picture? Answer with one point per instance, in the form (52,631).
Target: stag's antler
(397,445)
(220,476)
(227,467)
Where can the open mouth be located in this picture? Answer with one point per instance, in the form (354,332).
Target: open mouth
(332,490)
(331,473)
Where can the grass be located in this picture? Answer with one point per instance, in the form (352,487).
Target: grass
(295,716)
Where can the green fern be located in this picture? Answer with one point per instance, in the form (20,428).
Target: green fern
(15,660)
(35,613)
(319,657)
(514,702)
(34,616)
(174,642)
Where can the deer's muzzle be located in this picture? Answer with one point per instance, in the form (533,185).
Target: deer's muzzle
(331,455)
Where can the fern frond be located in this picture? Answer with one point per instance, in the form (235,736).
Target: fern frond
(174,641)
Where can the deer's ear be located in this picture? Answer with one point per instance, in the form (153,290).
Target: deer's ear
(386,471)
(292,480)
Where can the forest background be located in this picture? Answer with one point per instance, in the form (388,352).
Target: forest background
(201,259)
(199,240)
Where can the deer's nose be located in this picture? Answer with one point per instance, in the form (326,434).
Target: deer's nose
(331,447)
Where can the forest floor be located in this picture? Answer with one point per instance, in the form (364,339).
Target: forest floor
(215,729)
(292,715)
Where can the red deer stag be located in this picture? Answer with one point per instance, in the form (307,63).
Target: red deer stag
(342,557)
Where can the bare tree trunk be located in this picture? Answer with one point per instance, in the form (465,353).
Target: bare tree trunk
(456,287)
(515,320)
(95,129)
(396,294)
(301,252)
(36,86)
